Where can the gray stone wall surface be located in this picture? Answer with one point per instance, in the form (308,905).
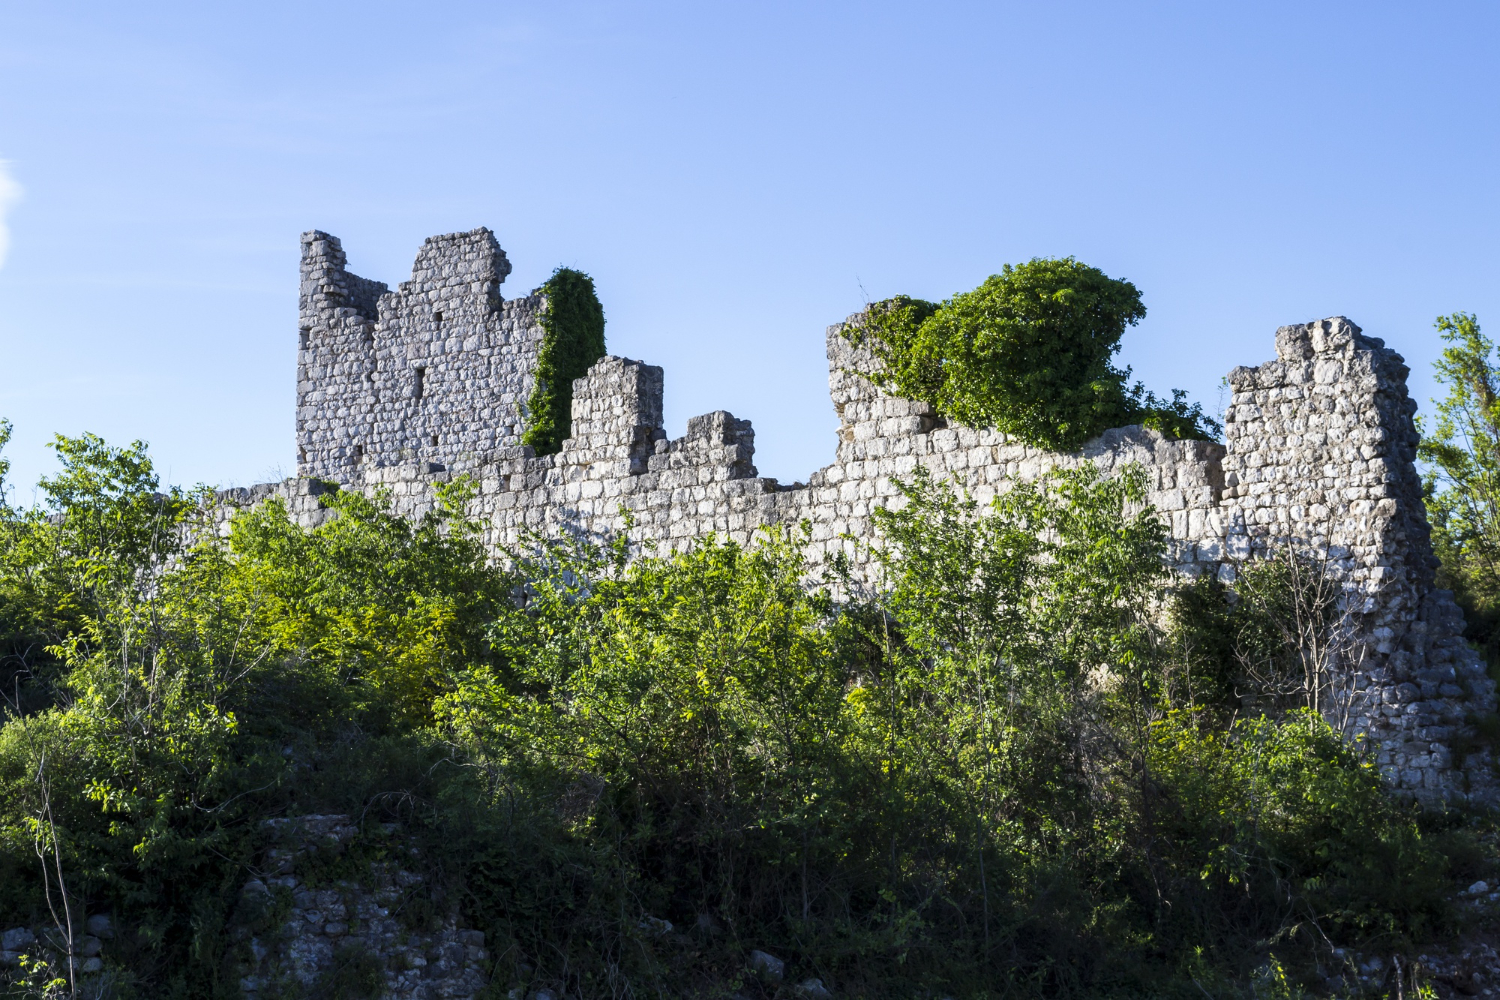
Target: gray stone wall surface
(1319,455)
(1322,454)
(329,924)
(438,370)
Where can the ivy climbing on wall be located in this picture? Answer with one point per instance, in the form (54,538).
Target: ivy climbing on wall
(573,339)
(1029,353)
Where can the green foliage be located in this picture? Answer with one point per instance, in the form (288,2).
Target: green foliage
(1283,825)
(574,339)
(1203,623)
(37,979)
(79,560)
(1028,353)
(1175,418)
(1271,644)
(6,429)
(1462,481)
(199,680)
(133,749)
(387,609)
(1004,774)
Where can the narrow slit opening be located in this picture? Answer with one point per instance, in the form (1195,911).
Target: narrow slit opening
(303,336)
(419,385)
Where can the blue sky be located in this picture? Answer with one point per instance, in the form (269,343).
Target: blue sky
(735,177)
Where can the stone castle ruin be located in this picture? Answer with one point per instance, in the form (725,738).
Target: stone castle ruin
(406,389)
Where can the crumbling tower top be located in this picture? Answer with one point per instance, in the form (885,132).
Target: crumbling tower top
(435,372)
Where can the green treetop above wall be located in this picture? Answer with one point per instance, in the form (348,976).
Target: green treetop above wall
(573,322)
(1028,353)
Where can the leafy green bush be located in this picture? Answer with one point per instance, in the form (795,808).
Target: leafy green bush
(200,682)
(989,779)
(1028,353)
(1281,824)
(573,325)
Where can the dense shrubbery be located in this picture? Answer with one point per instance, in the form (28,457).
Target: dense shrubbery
(1003,777)
(1027,352)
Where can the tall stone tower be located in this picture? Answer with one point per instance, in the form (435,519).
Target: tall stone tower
(436,372)
(1322,458)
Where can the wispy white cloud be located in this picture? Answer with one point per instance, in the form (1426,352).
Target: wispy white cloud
(10,193)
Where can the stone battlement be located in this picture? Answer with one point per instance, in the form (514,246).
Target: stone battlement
(404,390)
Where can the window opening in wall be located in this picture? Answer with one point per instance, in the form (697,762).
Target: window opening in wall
(437,317)
(303,335)
(434,440)
(359,452)
(419,387)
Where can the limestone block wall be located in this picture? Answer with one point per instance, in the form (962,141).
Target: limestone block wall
(620,460)
(325,923)
(1319,454)
(438,370)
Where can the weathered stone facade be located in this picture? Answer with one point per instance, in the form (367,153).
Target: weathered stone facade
(1319,453)
(1322,454)
(437,371)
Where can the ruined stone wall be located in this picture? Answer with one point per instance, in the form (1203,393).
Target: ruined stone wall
(321,924)
(619,462)
(437,370)
(1319,455)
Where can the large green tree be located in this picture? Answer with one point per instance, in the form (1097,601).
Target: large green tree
(1462,481)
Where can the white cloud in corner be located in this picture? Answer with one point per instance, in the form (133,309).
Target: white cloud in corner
(10,193)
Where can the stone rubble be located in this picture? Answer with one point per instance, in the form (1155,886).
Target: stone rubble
(1467,971)
(50,944)
(320,927)
(325,926)
(767,966)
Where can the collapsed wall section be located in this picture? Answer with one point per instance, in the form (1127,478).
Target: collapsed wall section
(436,371)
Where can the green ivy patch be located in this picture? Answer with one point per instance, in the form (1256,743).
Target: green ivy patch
(1029,353)
(573,325)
